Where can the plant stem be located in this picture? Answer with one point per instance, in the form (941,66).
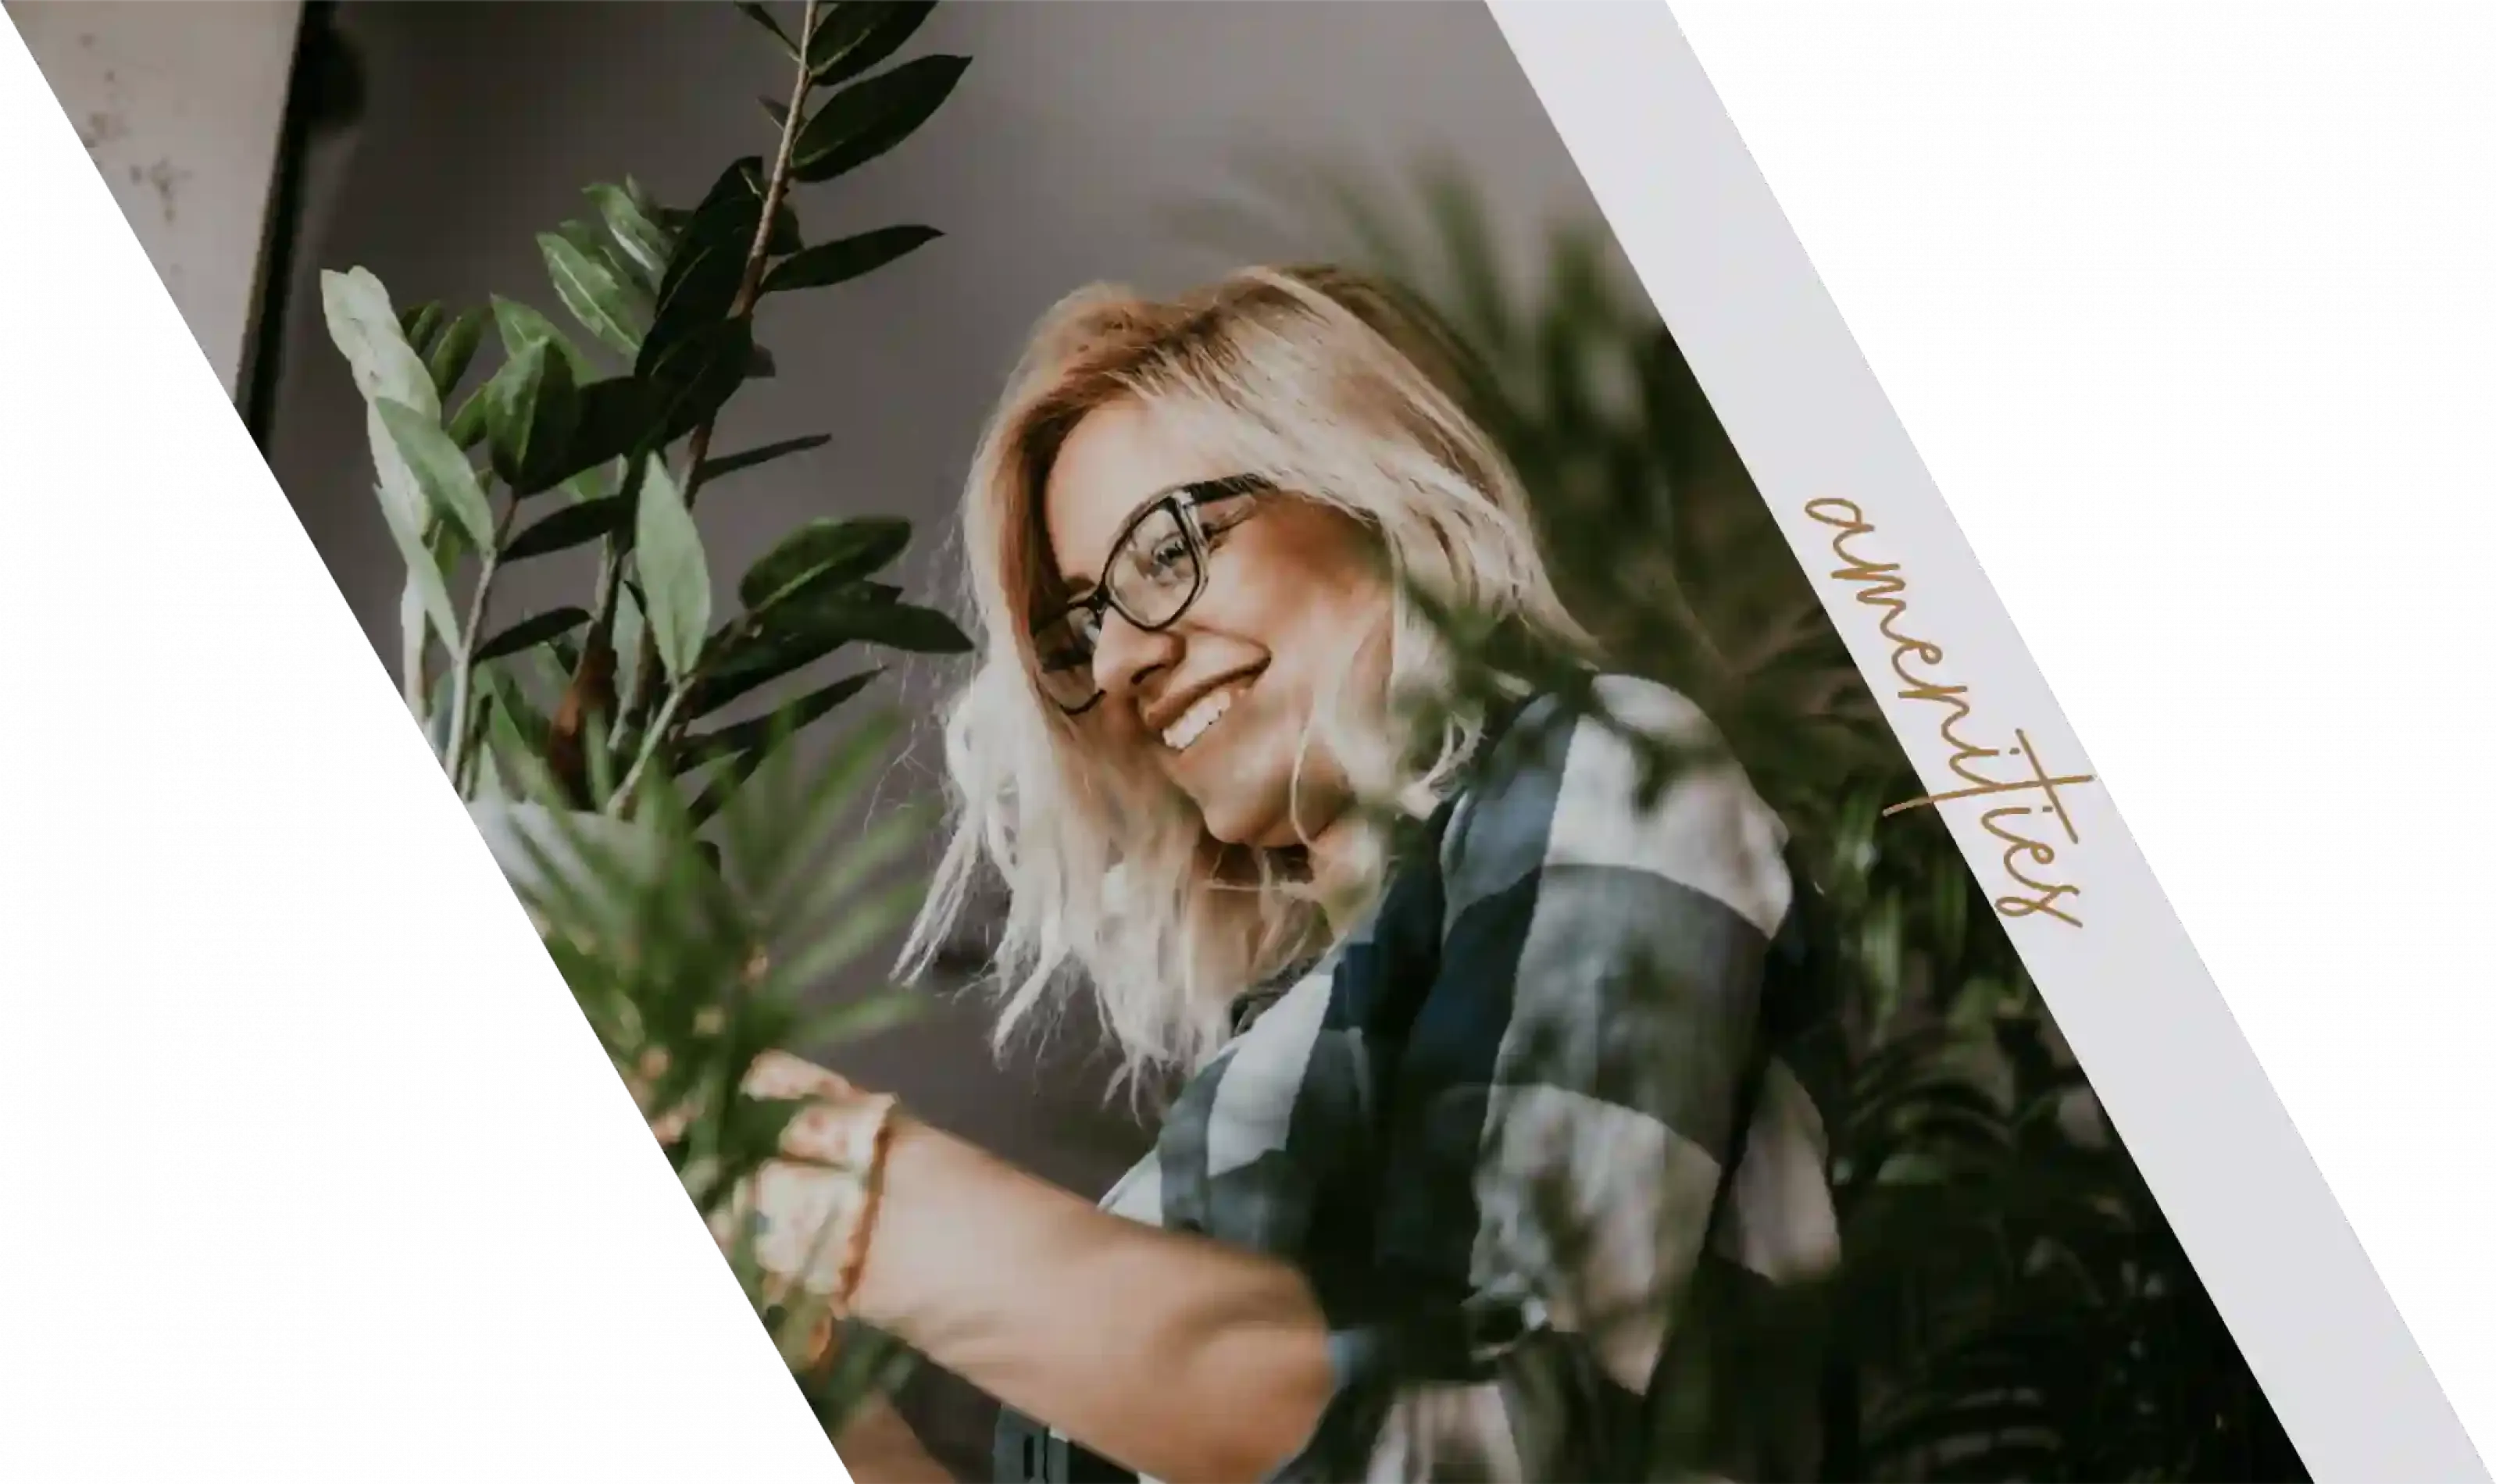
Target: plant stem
(414,631)
(463,679)
(749,289)
(621,805)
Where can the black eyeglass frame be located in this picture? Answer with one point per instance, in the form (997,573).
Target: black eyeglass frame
(1183,504)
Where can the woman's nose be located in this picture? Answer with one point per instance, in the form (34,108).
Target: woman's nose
(1126,657)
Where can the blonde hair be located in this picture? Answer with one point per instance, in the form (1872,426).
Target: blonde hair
(1338,388)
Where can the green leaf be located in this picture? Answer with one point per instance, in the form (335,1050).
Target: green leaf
(637,237)
(407,517)
(707,265)
(833,263)
(426,586)
(823,551)
(689,384)
(519,326)
(367,334)
(395,487)
(860,35)
(531,411)
(675,574)
(574,525)
(732,463)
(858,1019)
(901,625)
(440,471)
(450,359)
(758,733)
(421,324)
(628,627)
(861,926)
(591,291)
(868,118)
(530,633)
(755,662)
(613,423)
(469,424)
(762,17)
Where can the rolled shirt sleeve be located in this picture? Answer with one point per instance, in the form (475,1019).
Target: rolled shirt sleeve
(1561,1112)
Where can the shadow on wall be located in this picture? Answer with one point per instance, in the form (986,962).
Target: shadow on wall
(1079,131)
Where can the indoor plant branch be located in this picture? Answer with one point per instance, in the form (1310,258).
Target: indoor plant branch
(749,291)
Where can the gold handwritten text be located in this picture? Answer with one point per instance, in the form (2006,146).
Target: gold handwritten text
(2023,793)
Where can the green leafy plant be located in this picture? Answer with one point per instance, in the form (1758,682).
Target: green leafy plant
(2012,1302)
(632,756)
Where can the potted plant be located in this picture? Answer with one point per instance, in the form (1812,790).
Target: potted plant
(629,757)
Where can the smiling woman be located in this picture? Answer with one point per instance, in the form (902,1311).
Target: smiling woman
(1487,1164)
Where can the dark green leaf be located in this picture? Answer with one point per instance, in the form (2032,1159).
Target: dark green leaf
(867,118)
(531,413)
(900,626)
(589,289)
(574,525)
(698,296)
(823,552)
(860,35)
(762,17)
(613,421)
(833,263)
(730,463)
(452,353)
(520,325)
(761,365)
(468,426)
(421,324)
(780,724)
(530,633)
(757,662)
(689,384)
(736,191)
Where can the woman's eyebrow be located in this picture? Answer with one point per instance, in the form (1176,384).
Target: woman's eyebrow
(1079,588)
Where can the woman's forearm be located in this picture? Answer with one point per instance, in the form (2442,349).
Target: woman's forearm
(1179,1358)
(878,1447)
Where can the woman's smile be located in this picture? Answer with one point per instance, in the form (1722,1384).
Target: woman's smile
(1198,714)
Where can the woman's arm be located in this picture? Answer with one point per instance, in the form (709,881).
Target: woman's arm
(1179,1357)
(878,1447)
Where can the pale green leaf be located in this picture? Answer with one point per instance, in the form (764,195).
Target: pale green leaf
(441,472)
(367,333)
(592,293)
(675,574)
(521,326)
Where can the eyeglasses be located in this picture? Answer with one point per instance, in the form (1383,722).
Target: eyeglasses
(1155,572)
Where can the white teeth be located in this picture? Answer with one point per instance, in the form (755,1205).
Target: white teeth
(1182,733)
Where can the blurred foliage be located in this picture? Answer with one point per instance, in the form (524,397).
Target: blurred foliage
(629,756)
(2012,1304)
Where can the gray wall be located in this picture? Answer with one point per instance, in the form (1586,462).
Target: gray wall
(1078,130)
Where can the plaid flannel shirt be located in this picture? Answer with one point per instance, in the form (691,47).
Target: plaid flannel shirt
(1528,1133)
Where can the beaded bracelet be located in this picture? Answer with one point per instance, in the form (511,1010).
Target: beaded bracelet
(880,1110)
